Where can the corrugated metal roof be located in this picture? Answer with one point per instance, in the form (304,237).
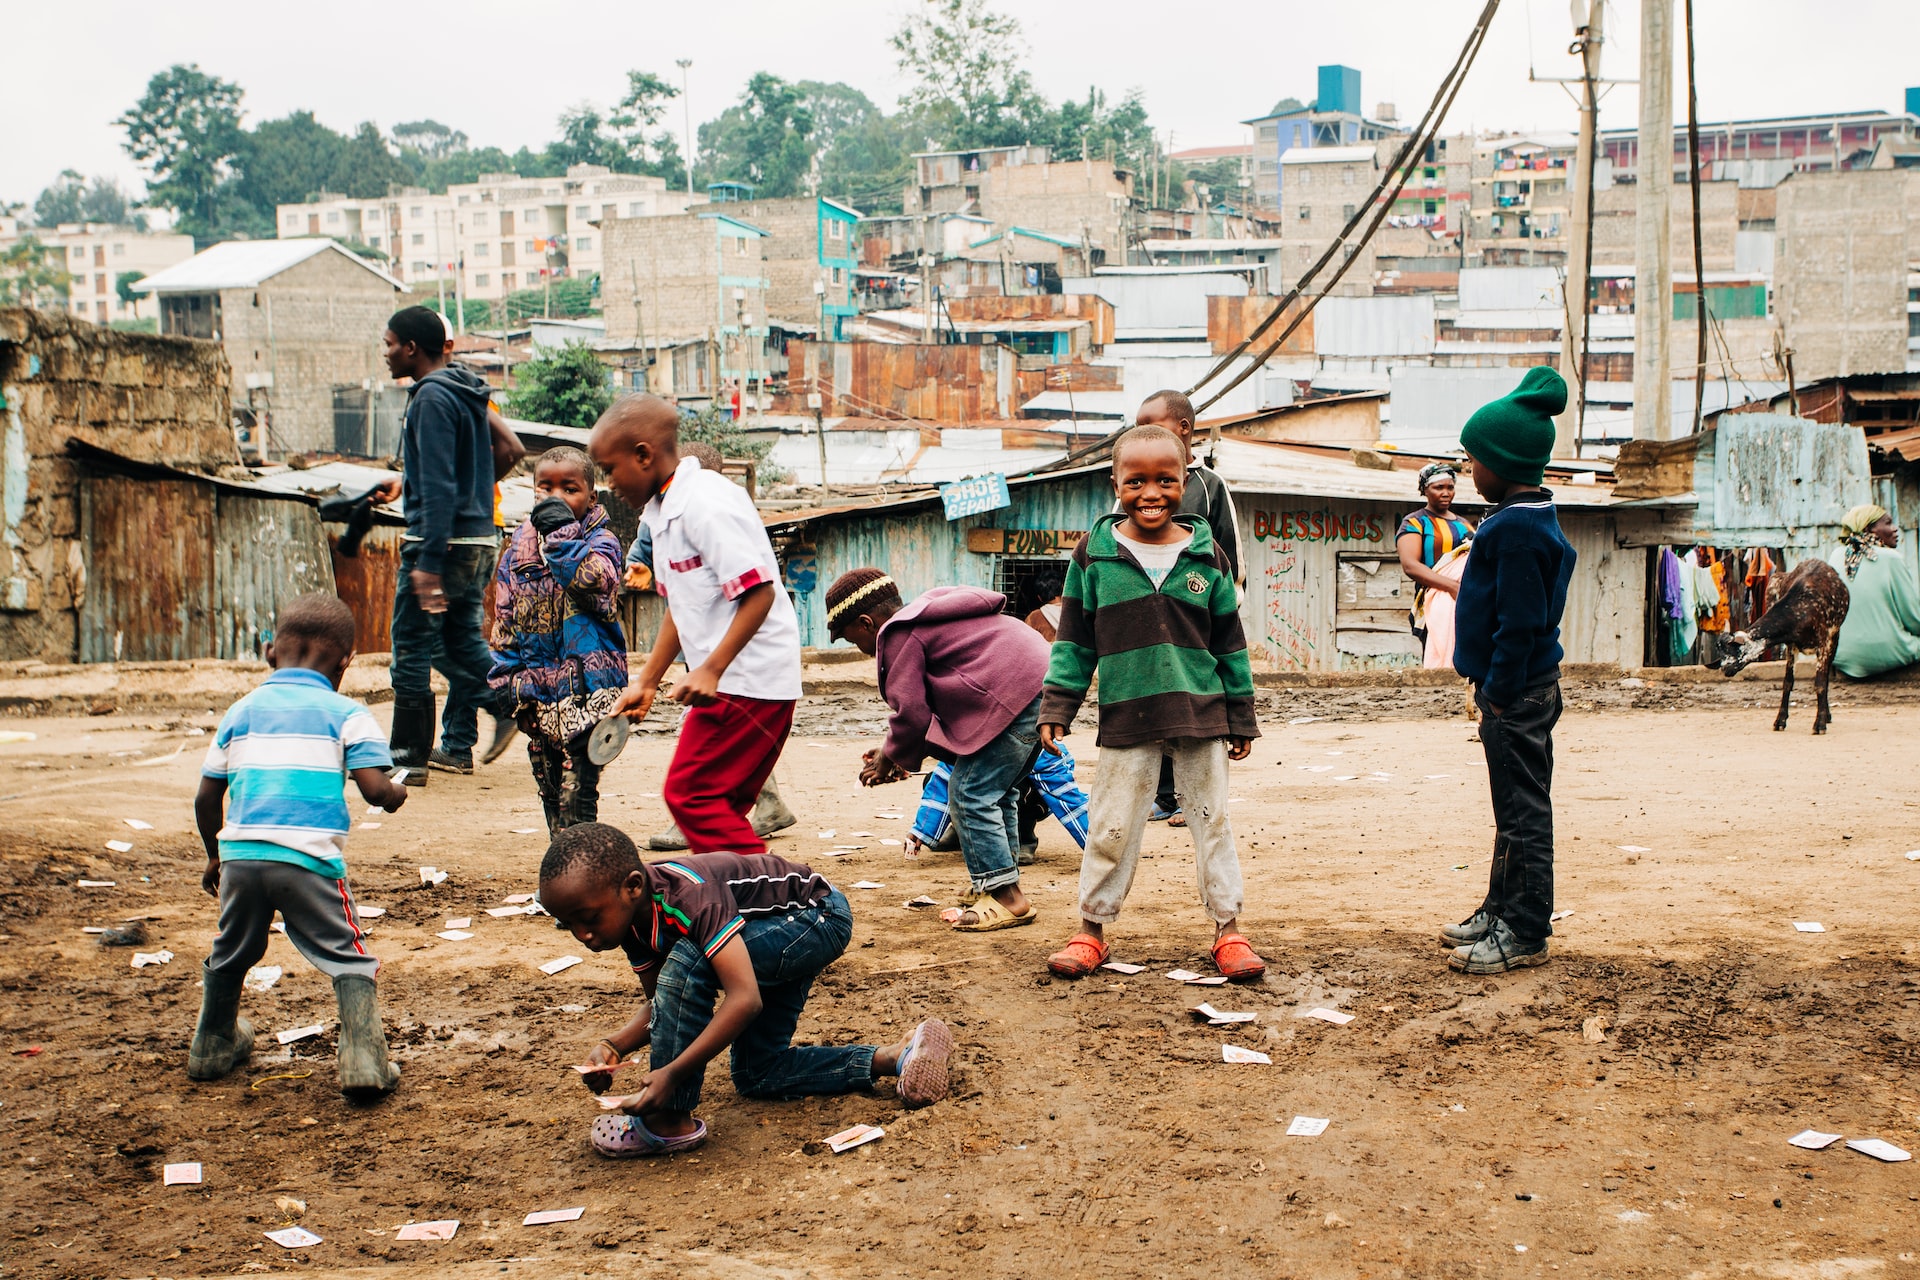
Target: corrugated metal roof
(245,264)
(1386,325)
(1166,298)
(1511,289)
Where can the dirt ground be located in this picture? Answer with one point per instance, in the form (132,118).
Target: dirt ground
(1095,1130)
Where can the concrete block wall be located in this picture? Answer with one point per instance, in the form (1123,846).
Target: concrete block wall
(791,252)
(1066,199)
(673,265)
(1614,220)
(148,398)
(1840,271)
(313,327)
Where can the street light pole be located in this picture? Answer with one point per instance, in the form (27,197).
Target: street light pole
(686,117)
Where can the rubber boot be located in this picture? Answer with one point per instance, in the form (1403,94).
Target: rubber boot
(770,812)
(222,1039)
(412,736)
(365,1073)
(669,841)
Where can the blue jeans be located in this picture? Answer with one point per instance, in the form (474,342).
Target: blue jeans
(453,642)
(986,801)
(788,952)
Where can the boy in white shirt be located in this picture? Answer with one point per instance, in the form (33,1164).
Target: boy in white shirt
(725,609)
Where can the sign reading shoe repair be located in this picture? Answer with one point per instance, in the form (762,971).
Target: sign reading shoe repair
(975,496)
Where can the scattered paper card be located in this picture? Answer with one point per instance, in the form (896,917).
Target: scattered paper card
(293,1237)
(1809,926)
(1208,982)
(895,816)
(1334,1016)
(97,884)
(1435,777)
(1558,916)
(120,846)
(859,1135)
(857,835)
(518,897)
(552,967)
(442,1230)
(614,1104)
(453,935)
(894,843)
(500,912)
(180,1175)
(1914,856)
(867,884)
(369,826)
(1633,848)
(261,977)
(1878,1149)
(92,928)
(1182,975)
(1234,1053)
(1120,967)
(464,922)
(544,1216)
(526,831)
(1307,1127)
(589,1068)
(138,825)
(1813,1140)
(278,926)
(301,1033)
(141,959)
(432,875)
(1220,1017)
(922,901)
(370,913)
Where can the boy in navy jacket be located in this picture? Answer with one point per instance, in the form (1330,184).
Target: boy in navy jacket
(1507,641)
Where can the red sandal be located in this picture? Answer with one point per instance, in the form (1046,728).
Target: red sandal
(1081,956)
(1234,956)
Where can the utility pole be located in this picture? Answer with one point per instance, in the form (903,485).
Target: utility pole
(1587,40)
(686,119)
(1653,221)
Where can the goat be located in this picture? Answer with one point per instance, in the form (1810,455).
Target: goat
(1805,608)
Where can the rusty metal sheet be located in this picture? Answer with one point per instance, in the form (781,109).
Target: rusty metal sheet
(266,551)
(366,581)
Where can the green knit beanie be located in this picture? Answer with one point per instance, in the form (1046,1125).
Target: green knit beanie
(1513,435)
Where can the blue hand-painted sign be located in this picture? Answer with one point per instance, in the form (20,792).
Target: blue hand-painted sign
(802,570)
(975,495)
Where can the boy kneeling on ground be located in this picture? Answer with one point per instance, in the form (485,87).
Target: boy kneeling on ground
(757,926)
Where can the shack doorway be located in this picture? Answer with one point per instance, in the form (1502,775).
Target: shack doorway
(1028,582)
(1372,596)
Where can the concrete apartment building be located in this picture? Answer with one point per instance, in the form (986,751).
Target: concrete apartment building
(1087,201)
(1325,187)
(300,321)
(1522,198)
(1333,119)
(685,304)
(498,234)
(1841,271)
(809,241)
(95,255)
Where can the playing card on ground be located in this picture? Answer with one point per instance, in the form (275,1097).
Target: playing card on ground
(552,967)
(180,1175)
(859,1135)
(442,1230)
(293,1237)
(544,1216)
(1307,1127)
(1234,1053)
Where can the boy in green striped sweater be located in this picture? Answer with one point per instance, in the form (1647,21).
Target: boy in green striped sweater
(1150,607)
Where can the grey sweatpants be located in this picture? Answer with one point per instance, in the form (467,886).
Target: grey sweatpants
(318,912)
(1123,785)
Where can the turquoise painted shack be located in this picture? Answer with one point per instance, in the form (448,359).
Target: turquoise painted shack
(835,236)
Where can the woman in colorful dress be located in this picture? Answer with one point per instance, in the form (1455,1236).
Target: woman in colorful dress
(1432,542)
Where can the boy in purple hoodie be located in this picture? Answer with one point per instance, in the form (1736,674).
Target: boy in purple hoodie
(963,680)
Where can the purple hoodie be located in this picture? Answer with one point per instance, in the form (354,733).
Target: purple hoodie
(956,672)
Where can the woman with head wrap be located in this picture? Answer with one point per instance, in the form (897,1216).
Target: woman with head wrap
(1882,630)
(1432,544)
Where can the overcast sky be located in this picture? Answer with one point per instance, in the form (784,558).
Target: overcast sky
(503,72)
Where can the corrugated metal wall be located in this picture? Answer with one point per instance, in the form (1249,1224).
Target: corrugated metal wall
(1386,325)
(177,568)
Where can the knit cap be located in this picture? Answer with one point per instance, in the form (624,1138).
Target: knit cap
(855,592)
(1513,436)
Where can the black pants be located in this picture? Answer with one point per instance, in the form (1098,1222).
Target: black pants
(569,783)
(1519,747)
(1163,794)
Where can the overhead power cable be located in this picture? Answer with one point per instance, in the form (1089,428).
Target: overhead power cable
(1395,177)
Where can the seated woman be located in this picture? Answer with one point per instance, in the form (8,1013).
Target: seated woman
(1882,630)
(1425,540)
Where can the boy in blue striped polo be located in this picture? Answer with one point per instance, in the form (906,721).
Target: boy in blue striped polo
(277,766)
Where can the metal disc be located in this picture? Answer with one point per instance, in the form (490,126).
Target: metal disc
(607,739)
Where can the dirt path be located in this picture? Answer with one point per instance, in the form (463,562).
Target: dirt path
(1096,1130)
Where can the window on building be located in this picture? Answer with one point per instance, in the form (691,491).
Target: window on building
(1346,213)
(479,215)
(480,250)
(506,280)
(607,211)
(1306,214)
(293,220)
(100,310)
(419,238)
(463,199)
(533,217)
(482,280)
(839,276)
(1346,176)
(635,209)
(583,212)
(333,216)
(120,250)
(79,251)
(417,211)
(1306,178)
(533,246)
(836,229)
(740,247)
(583,243)
(422,268)
(373,242)
(100,284)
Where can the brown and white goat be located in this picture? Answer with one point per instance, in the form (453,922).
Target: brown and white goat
(1805,608)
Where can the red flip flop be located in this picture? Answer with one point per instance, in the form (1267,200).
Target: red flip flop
(1081,956)
(1234,956)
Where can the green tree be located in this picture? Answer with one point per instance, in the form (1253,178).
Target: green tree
(428,139)
(366,168)
(30,273)
(862,155)
(123,286)
(764,139)
(970,88)
(564,388)
(186,130)
(287,161)
(61,201)
(715,426)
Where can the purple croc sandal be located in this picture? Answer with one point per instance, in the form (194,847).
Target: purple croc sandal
(623,1137)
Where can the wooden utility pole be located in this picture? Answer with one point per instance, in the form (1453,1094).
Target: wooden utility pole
(1653,224)
(1573,345)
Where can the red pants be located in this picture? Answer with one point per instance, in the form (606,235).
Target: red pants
(725,755)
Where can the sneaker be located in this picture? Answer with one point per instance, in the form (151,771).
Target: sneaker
(1467,932)
(1161,815)
(924,1078)
(1499,952)
(452,764)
